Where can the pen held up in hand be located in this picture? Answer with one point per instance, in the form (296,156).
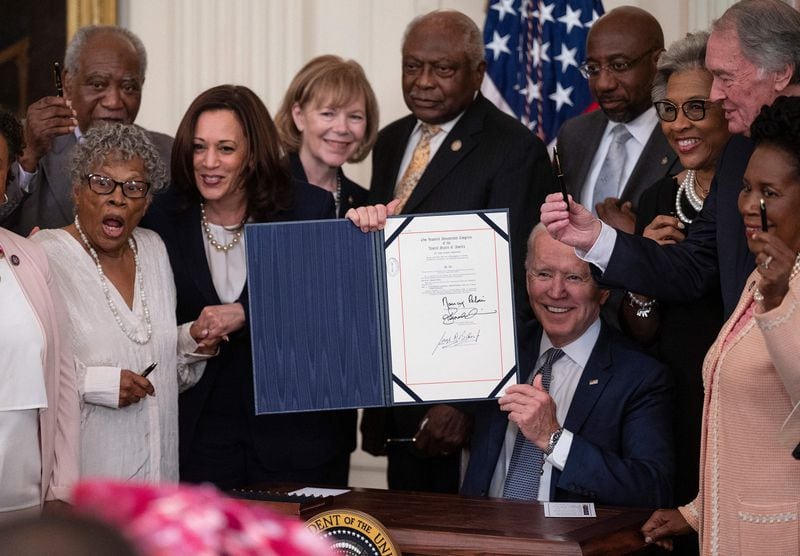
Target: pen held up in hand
(763,207)
(57,79)
(560,176)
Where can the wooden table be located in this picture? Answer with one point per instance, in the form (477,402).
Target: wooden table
(432,524)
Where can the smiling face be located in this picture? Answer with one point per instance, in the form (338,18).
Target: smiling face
(220,155)
(107,86)
(698,143)
(561,291)
(438,82)
(108,220)
(331,134)
(741,86)
(773,175)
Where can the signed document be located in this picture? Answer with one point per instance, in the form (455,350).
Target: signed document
(421,312)
(450,306)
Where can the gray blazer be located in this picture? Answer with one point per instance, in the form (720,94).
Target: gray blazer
(578,140)
(49,203)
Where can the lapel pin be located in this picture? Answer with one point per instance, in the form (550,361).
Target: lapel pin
(14,260)
(593,382)
(664,160)
(455,146)
(350,200)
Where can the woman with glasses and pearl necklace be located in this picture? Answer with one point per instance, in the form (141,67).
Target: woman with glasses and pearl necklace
(679,334)
(117,285)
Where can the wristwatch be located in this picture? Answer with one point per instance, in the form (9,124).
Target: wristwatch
(551,444)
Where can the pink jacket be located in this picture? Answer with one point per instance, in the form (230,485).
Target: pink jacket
(59,423)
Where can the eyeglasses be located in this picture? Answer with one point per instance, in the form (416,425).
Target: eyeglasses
(103,185)
(591,70)
(695,110)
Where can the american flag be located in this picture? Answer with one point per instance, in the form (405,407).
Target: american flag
(533,50)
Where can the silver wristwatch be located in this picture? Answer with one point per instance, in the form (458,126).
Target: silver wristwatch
(551,444)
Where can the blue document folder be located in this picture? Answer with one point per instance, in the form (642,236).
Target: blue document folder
(319,318)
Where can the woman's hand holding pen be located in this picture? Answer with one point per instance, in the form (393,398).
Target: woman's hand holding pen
(133,387)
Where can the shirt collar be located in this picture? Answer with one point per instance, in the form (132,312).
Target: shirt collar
(578,350)
(641,127)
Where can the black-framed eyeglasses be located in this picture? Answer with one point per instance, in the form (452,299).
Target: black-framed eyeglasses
(591,70)
(103,185)
(695,109)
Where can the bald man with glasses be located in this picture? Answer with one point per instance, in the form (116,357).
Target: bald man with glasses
(610,156)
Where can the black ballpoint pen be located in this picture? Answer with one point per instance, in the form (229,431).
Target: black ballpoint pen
(560,177)
(148,370)
(57,79)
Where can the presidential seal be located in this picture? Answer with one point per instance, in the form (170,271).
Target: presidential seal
(353,533)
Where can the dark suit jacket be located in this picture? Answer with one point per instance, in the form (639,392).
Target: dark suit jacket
(621,452)
(49,204)
(352,194)
(578,140)
(295,441)
(489,160)
(714,250)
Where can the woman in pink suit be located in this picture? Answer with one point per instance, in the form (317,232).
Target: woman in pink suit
(39,415)
(749,497)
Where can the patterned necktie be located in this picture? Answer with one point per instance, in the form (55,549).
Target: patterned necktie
(527,459)
(419,161)
(610,176)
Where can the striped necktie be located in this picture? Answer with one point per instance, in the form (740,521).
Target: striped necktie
(527,459)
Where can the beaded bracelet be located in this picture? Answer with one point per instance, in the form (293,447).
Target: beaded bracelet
(643,308)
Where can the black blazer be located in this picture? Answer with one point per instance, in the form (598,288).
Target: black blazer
(489,160)
(621,419)
(714,250)
(578,140)
(300,440)
(352,194)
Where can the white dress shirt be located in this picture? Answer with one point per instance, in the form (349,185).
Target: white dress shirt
(564,380)
(640,129)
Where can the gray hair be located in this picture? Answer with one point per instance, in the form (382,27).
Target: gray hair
(685,54)
(118,142)
(471,36)
(539,228)
(78,43)
(768,32)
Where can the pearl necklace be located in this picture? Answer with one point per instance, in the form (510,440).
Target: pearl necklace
(210,236)
(148,324)
(688,187)
(337,195)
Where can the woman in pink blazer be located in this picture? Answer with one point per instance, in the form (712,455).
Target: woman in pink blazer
(39,414)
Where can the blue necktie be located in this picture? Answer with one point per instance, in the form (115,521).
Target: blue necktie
(527,459)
